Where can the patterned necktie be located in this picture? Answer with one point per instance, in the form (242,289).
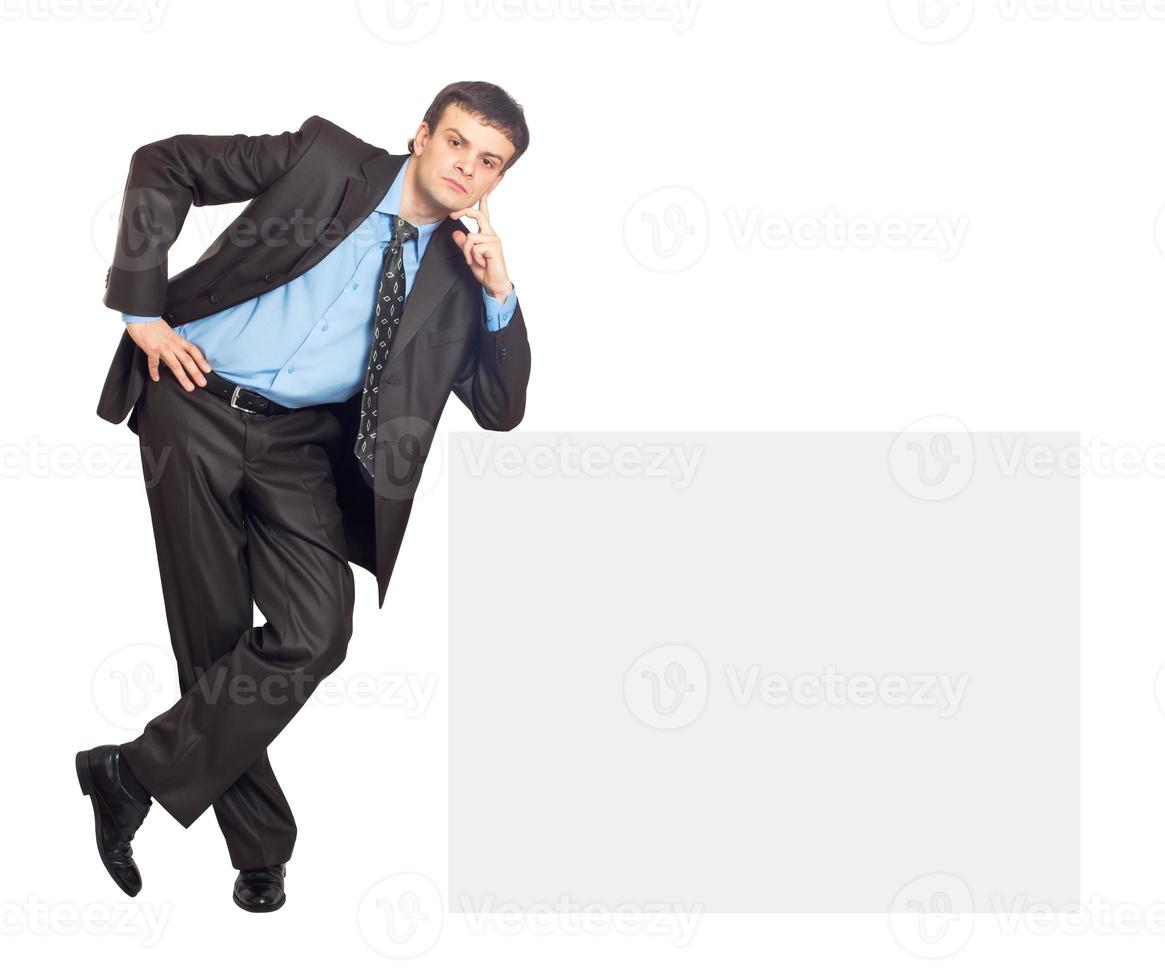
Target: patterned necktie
(390,303)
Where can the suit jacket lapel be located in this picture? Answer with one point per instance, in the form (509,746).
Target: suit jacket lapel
(361,193)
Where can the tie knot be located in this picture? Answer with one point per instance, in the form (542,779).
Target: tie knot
(403,231)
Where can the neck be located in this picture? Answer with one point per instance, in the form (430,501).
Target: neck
(417,207)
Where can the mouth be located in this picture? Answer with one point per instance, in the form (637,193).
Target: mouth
(453,183)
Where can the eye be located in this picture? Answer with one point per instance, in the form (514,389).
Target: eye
(454,141)
(489,161)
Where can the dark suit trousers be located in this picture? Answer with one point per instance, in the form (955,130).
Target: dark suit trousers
(243,506)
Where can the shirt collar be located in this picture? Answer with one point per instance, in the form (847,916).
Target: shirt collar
(390,204)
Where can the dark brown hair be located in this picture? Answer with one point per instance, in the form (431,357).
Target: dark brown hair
(490,103)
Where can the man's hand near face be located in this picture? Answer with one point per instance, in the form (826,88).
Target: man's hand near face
(483,251)
(158,339)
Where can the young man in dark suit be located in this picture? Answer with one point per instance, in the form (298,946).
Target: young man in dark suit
(285,390)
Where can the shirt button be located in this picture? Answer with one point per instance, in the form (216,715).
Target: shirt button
(323,326)
(355,285)
(291,370)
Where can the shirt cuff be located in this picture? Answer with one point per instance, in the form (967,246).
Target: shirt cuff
(497,315)
(134,318)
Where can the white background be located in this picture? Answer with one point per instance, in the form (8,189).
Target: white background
(1036,125)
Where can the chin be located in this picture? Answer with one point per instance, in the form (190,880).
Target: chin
(446,196)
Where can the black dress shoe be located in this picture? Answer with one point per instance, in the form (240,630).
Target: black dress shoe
(116,814)
(261,889)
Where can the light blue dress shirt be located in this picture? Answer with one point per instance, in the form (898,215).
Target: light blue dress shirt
(306,342)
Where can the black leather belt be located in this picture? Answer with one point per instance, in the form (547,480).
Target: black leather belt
(242,398)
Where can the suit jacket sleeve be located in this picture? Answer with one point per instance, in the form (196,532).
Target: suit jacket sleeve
(168,176)
(495,389)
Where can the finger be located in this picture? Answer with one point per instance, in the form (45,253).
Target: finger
(480,217)
(467,244)
(191,363)
(175,366)
(486,227)
(152,364)
(191,367)
(477,239)
(197,354)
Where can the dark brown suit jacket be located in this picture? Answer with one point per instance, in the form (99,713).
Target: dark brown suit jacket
(309,189)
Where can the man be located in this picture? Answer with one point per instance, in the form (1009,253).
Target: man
(285,390)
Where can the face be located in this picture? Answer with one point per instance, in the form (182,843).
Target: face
(459,161)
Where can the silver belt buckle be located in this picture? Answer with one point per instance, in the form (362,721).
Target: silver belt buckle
(234,404)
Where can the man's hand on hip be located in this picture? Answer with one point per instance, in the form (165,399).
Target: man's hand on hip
(158,339)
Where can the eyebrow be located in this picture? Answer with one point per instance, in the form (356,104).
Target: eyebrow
(485,153)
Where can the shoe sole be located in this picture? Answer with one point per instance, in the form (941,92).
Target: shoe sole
(85,778)
(258,908)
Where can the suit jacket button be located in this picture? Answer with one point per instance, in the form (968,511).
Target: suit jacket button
(268,276)
(216,297)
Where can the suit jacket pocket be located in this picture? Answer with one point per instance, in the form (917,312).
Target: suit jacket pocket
(438,338)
